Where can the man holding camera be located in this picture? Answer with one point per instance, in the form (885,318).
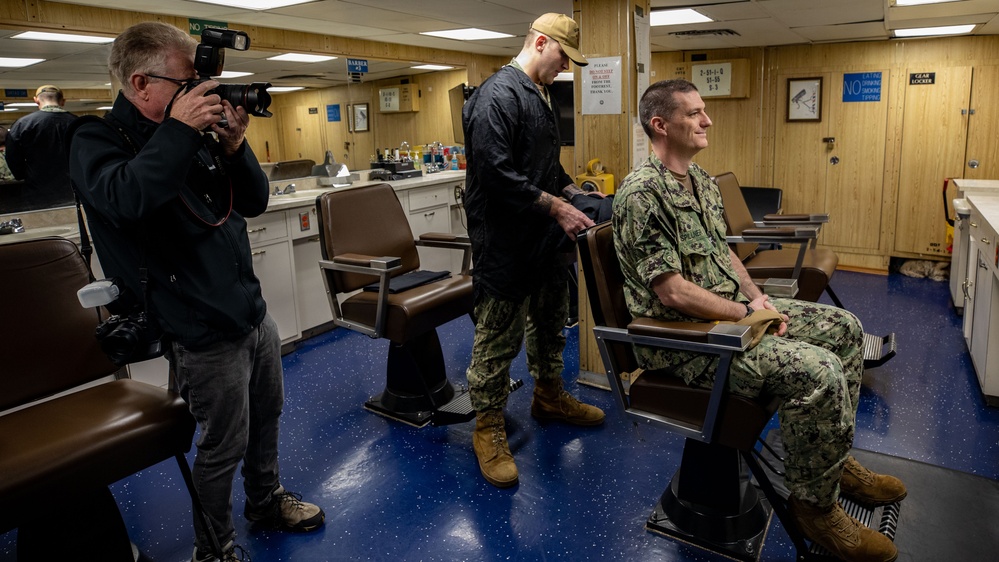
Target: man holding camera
(165,203)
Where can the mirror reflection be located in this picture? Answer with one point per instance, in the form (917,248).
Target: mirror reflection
(319,107)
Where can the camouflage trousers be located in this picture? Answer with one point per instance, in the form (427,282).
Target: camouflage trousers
(502,325)
(816,369)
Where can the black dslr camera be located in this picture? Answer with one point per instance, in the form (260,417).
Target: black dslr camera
(128,335)
(208,62)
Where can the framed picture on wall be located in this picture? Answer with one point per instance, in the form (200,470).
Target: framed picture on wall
(360,113)
(804,99)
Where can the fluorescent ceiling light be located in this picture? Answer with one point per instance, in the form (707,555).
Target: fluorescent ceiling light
(927,31)
(255,4)
(432,67)
(106,107)
(301,57)
(677,17)
(234,74)
(467,34)
(564,77)
(920,2)
(67,37)
(22,104)
(8,109)
(8,62)
(279,89)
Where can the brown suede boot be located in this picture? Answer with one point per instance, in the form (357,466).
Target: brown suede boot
(842,535)
(867,487)
(551,402)
(492,450)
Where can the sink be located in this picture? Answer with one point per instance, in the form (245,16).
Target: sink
(43,232)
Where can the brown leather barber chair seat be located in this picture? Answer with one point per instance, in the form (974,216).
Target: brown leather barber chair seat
(367,241)
(710,501)
(84,439)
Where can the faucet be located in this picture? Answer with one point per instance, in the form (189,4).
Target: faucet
(13,226)
(290,188)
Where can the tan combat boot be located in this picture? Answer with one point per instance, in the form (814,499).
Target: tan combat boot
(842,535)
(867,487)
(551,402)
(492,450)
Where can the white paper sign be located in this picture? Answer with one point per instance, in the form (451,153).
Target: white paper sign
(602,86)
(388,99)
(712,79)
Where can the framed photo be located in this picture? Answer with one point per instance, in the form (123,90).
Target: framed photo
(804,99)
(360,114)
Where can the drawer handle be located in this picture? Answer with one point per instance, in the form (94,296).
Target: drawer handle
(313,239)
(258,253)
(974,224)
(254,230)
(429,215)
(968,291)
(986,241)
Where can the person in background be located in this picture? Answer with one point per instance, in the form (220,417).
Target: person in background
(514,183)
(5,173)
(36,149)
(166,191)
(669,235)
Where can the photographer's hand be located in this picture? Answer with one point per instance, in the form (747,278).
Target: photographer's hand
(231,137)
(195,109)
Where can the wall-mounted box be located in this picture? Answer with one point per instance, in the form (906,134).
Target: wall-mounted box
(399,99)
(722,79)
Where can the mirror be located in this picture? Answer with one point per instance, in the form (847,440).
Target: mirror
(306,122)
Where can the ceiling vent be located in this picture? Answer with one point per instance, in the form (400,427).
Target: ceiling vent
(703,32)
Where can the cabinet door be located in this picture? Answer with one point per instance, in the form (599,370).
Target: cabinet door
(971,281)
(272,264)
(983,143)
(934,134)
(313,304)
(436,219)
(983,313)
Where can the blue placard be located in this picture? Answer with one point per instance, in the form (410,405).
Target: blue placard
(862,86)
(357,65)
(15,93)
(333,112)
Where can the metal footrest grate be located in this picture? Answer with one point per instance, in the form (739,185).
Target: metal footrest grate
(878,349)
(881,519)
(459,409)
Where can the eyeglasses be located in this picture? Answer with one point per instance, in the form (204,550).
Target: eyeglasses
(176,81)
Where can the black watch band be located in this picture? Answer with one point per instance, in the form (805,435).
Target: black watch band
(749,310)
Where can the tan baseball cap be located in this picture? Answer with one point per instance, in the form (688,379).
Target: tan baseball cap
(48,88)
(563,29)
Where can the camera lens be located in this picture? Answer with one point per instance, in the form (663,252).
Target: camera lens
(253,97)
(120,344)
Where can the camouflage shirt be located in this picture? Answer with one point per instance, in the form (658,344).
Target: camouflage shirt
(659,227)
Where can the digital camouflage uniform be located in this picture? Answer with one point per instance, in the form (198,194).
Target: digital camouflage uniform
(659,227)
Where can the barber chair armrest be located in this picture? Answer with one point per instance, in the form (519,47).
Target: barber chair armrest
(775,220)
(380,267)
(693,336)
(778,287)
(451,242)
(784,235)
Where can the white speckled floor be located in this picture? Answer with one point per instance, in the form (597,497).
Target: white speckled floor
(392,492)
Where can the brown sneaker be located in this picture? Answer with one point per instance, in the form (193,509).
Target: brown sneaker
(286,512)
(552,402)
(842,535)
(492,450)
(867,487)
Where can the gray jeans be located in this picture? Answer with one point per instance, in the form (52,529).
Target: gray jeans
(235,391)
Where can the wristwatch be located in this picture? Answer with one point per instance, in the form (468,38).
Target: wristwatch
(749,310)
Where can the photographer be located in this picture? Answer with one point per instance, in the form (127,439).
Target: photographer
(165,204)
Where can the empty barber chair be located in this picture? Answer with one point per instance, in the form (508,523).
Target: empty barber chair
(812,268)
(81,439)
(710,501)
(366,239)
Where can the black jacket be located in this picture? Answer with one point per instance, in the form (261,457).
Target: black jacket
(153,199)
(36,153)
(512,150)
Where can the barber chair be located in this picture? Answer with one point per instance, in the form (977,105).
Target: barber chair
(366,237)
(710,501)
(812,268)
(80,439)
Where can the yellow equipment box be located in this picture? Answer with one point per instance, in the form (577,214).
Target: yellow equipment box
(595,179)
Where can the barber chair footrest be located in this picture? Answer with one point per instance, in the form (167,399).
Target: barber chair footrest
(459,409)
(878,349)
(415,419)
(748,550)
